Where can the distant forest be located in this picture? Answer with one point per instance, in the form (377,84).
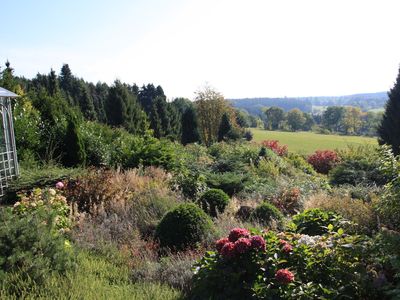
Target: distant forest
(365,101)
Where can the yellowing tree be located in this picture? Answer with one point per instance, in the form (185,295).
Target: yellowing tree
(352,120)
(210,106)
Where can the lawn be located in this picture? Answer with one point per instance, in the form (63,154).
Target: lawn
(307,142)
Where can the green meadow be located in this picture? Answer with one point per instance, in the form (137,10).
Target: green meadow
(308,142)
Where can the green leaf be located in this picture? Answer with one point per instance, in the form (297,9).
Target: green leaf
(330,227)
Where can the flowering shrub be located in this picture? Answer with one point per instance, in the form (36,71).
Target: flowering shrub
(284,276)
(48,199)
(274,146)
(237,233)
(270,265)
(323,160)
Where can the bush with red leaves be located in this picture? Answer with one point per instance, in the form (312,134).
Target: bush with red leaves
(323,160)
(280,150)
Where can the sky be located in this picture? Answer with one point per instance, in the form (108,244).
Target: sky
(242,48)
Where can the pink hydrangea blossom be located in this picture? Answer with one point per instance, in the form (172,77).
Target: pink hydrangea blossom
(228,250)
(284,276)
(237,233)
(221,243)
(257,242)
(59,185)
(242,245)
(287,248)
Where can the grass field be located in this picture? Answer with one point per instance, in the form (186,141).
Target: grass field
(307,142)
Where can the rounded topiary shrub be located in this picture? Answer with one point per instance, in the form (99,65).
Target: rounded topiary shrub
(266,212)
(214,201)
(184,227)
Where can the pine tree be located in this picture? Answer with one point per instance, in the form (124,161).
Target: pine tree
(86,102)
(190,129)
(7,79)
(66,83)
(53,86)
(225,127)
(389,129)
(74,151)
(116,104)
(123,109)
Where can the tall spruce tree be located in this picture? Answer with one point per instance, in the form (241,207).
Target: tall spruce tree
(389,129)
(225,127)
(190,128)
(7,79)
(86,101)
(123,109)
(74,151)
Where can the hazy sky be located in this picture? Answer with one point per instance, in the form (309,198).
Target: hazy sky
(249,48)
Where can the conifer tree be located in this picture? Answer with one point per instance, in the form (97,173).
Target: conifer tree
(225,127)
(190,129)
(74,151)
(7,79)
(123,109)
(389,129)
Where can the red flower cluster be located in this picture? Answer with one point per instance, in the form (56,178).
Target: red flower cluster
(323,160)
(221,243)
(286,246)
(242,245)
(237,233)
(257,242)
(228,250)
(239,242)
(284,276)
(274,146)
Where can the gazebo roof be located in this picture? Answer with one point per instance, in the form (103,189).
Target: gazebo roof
(6,93)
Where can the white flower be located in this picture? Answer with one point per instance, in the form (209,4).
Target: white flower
(52,192)
(308,240)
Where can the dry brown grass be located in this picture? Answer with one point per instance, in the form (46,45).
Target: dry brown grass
(355,210)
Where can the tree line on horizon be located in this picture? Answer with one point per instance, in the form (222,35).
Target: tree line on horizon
(52,108)
(52,111)
(347,120)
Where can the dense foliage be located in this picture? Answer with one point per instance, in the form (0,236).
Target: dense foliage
(389,129)
(184,227)
(214,201)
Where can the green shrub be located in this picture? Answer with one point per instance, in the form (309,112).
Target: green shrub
(265,213)
(30,244)
(214,201)
(361,171)
(230,182)
(300,163)
(184,227)
(316,221)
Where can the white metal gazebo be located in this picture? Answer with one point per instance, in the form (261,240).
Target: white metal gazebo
(8,151)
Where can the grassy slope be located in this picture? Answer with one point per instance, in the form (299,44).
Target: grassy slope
(95,278)
(308,142)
